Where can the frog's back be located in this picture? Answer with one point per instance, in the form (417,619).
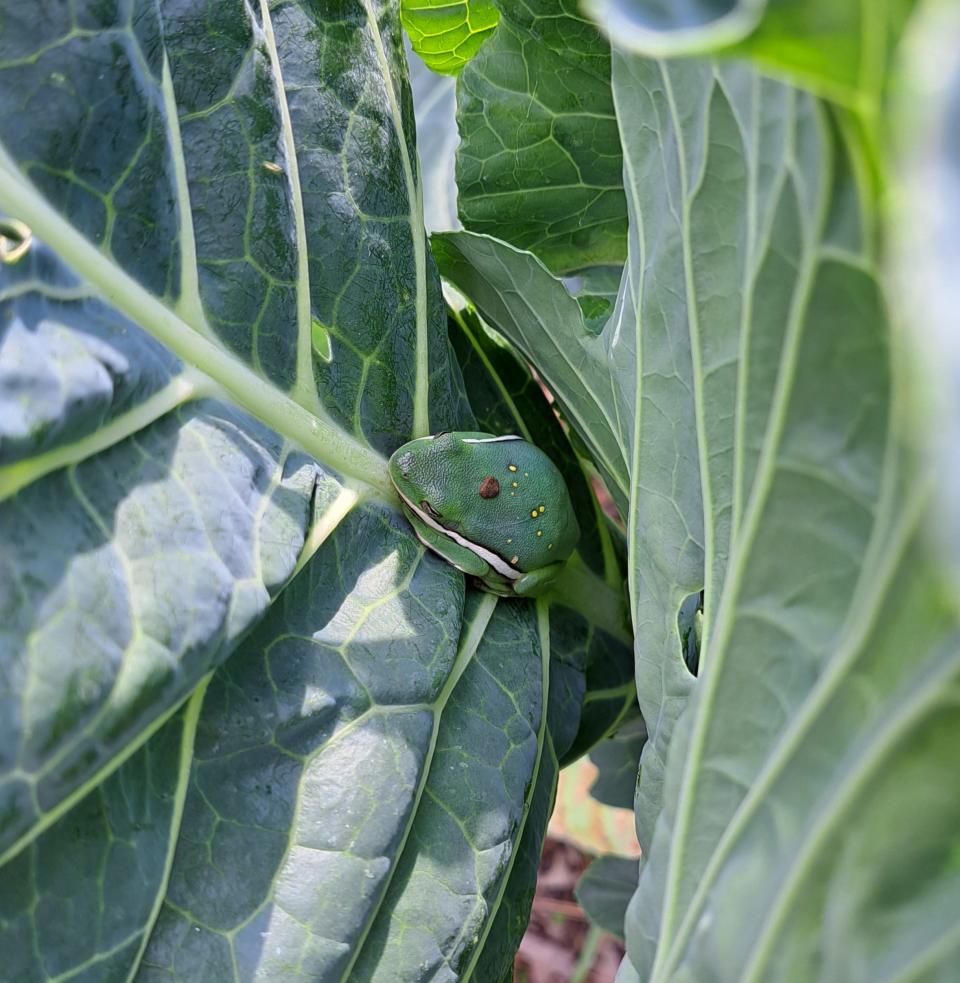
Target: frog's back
(522,509)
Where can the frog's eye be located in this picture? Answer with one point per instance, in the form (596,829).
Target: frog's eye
(430,510)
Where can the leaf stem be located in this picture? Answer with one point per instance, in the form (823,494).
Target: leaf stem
(581,590)
(588,953)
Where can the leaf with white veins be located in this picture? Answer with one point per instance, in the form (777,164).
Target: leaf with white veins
(226,317)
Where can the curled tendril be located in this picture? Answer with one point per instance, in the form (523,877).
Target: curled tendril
(15,240)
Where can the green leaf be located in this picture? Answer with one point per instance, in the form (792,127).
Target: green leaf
(766,462)
(605,889)
(116,845)
(618,763)
(646,432)
(156,497)
(539,162)
(310,761)
(447,35)
(815,569)
(840,49)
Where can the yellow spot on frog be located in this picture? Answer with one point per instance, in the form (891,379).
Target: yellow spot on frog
(542,509)
(509,541)
(534,513)
(539,532)
(526,475)
(511,467)
(549,546)
(515,484)
(514,558)
(272,167)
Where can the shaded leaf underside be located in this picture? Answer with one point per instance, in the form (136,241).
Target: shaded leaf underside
(447,35)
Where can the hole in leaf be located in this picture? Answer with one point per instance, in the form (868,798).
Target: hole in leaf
(690,627)
(15,240)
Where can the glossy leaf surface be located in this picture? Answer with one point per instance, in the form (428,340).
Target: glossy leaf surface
(227,667)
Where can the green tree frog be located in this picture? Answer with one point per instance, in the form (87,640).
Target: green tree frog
(496,508)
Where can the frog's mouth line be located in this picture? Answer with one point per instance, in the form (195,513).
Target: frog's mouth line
(496,561)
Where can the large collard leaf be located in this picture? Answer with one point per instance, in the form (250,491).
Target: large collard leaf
(539,162)
(751,346)
(149,516)
(662,416)
(409,784)
(785,789)
(841,49)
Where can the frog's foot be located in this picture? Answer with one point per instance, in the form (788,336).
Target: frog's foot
(493,585)
(537,582)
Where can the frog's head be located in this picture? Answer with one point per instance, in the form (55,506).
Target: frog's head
(428,473)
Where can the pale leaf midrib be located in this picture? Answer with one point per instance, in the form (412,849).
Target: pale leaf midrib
(469,643)
(633,530)
(305,386)
(678,839)
(189,306)
(188,739)
(746,315)
(414,183)
(543,627)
